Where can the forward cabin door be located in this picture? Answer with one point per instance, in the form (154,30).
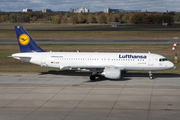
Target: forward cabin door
(150,60)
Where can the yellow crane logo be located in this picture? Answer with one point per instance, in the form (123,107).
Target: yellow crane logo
(24,39)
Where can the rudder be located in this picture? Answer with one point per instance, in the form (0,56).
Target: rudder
(26,43)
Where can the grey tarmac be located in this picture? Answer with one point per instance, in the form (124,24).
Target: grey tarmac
(74,97)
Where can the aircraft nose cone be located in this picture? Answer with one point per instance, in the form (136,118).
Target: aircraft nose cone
(171,65)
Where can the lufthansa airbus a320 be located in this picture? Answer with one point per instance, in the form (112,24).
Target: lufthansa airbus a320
(109,65)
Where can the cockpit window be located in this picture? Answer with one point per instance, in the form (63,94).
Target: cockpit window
(162,59)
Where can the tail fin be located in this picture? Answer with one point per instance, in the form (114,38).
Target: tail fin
(26,43)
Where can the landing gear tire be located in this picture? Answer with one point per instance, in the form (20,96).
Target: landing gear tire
(151,77)
(92,77)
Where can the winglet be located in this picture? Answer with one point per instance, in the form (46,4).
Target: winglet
(26,43)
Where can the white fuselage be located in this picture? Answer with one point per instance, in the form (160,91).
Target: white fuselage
(93,60)
(109,65)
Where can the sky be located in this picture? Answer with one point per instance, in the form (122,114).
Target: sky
(92,5)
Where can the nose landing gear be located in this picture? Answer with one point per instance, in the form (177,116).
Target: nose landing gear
(150,75)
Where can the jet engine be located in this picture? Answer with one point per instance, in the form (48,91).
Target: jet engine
(112,73)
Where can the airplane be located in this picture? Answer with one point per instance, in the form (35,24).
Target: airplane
(109,65)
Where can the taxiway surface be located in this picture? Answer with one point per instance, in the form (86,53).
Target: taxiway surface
(94,41)
(74,97)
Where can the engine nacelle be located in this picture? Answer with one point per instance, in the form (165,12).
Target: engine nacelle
(112,73)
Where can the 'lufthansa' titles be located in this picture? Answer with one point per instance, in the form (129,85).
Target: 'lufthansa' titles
(133,56)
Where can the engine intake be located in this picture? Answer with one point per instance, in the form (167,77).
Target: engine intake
(112,73)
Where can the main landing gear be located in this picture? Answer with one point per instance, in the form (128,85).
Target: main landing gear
(92,77)
(150,75)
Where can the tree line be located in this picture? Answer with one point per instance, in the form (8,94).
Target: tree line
(78,18)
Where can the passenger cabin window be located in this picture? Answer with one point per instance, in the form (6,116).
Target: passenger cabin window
(162,59)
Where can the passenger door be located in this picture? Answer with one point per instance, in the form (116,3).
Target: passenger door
(150,60)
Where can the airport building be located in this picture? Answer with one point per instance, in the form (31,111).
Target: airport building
(79,10)
(27,10)
(46,10)
(109,10)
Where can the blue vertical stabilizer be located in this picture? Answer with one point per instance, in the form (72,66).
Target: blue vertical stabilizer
(26,43)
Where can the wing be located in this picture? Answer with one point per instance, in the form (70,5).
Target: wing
(92,67)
